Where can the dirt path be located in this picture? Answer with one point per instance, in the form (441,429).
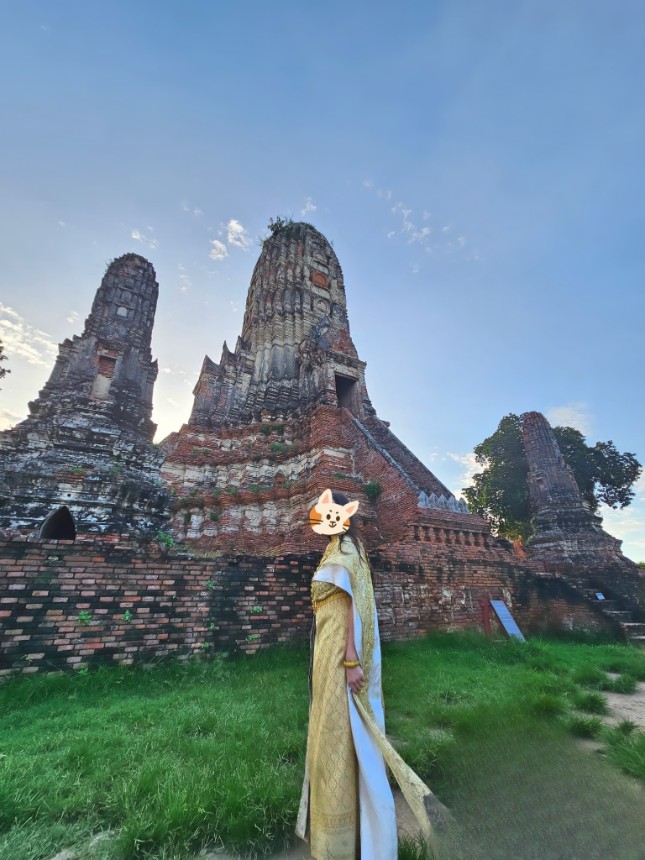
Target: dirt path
(627,706)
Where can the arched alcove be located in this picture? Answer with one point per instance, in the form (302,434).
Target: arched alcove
(59,525)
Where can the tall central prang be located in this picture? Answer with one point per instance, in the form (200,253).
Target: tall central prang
(287,414)
(295,350)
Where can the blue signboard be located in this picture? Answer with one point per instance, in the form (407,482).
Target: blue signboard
(508,622)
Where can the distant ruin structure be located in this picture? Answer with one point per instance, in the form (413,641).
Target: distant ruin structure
(568,537)
(87,442)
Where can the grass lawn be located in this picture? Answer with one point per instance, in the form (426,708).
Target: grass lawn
(211,753)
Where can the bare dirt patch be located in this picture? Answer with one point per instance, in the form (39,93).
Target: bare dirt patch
(627,706)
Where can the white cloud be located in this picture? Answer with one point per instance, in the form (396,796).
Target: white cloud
(184,281)
(410,228)
(146,240)
(218,250)
(470,467)
(639,487)
(235,306)
(8,418)
(73,317)
(23,340)
(310,207)
(62,224)
(415,269)
(627,525)
(236,235)
(421,235)
(194,210)
(570,415)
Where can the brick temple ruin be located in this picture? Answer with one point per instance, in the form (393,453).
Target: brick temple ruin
(85,454)
(568,538)
(278,419)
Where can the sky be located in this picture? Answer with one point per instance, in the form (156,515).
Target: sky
(478,168)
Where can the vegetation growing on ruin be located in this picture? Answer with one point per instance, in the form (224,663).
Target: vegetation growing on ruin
(165,540)
(286,225)
(372,490)
(3,370)
(211,752)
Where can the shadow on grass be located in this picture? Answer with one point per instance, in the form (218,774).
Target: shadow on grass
(532,795)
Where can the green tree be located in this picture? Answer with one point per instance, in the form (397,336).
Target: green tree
(500,491)
(602,473)
(3,357)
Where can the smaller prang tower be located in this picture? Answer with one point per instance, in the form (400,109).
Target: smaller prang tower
(568,538)
(87,443)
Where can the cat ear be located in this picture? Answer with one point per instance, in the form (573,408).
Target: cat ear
(350,509)
(326,498)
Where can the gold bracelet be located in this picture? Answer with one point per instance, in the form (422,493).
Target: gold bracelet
(351,664)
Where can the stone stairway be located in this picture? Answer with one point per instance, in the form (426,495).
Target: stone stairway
(634,630)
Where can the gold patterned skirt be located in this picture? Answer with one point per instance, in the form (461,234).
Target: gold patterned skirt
(333,799)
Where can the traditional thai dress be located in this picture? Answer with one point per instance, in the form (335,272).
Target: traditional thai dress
(346,797)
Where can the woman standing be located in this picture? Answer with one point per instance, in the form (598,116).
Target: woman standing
(346,798)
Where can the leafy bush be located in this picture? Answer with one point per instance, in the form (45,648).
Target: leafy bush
(165,540)
(372,490)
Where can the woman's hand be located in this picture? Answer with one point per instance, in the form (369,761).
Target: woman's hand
(355,678)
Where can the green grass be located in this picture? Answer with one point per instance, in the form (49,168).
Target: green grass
(212,753)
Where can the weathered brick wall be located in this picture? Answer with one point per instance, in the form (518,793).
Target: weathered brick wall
(67,605)
(415,598)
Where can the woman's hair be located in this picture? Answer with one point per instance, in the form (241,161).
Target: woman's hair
(352,532)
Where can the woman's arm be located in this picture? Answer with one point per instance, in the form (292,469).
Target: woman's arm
(354,674)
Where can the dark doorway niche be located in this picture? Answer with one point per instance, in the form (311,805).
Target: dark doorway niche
(59,525)
(345,392)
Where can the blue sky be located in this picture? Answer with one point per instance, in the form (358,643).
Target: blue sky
(477,166)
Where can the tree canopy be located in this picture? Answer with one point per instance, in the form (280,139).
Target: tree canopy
(500,491)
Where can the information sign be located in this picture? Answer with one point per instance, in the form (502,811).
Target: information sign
(508,622)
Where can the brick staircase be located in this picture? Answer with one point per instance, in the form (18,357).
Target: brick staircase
(634,630)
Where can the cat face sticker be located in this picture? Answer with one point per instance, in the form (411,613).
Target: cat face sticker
(328,518)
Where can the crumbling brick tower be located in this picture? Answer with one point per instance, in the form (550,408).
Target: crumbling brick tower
(87,443)
(287,413)
(568,538)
